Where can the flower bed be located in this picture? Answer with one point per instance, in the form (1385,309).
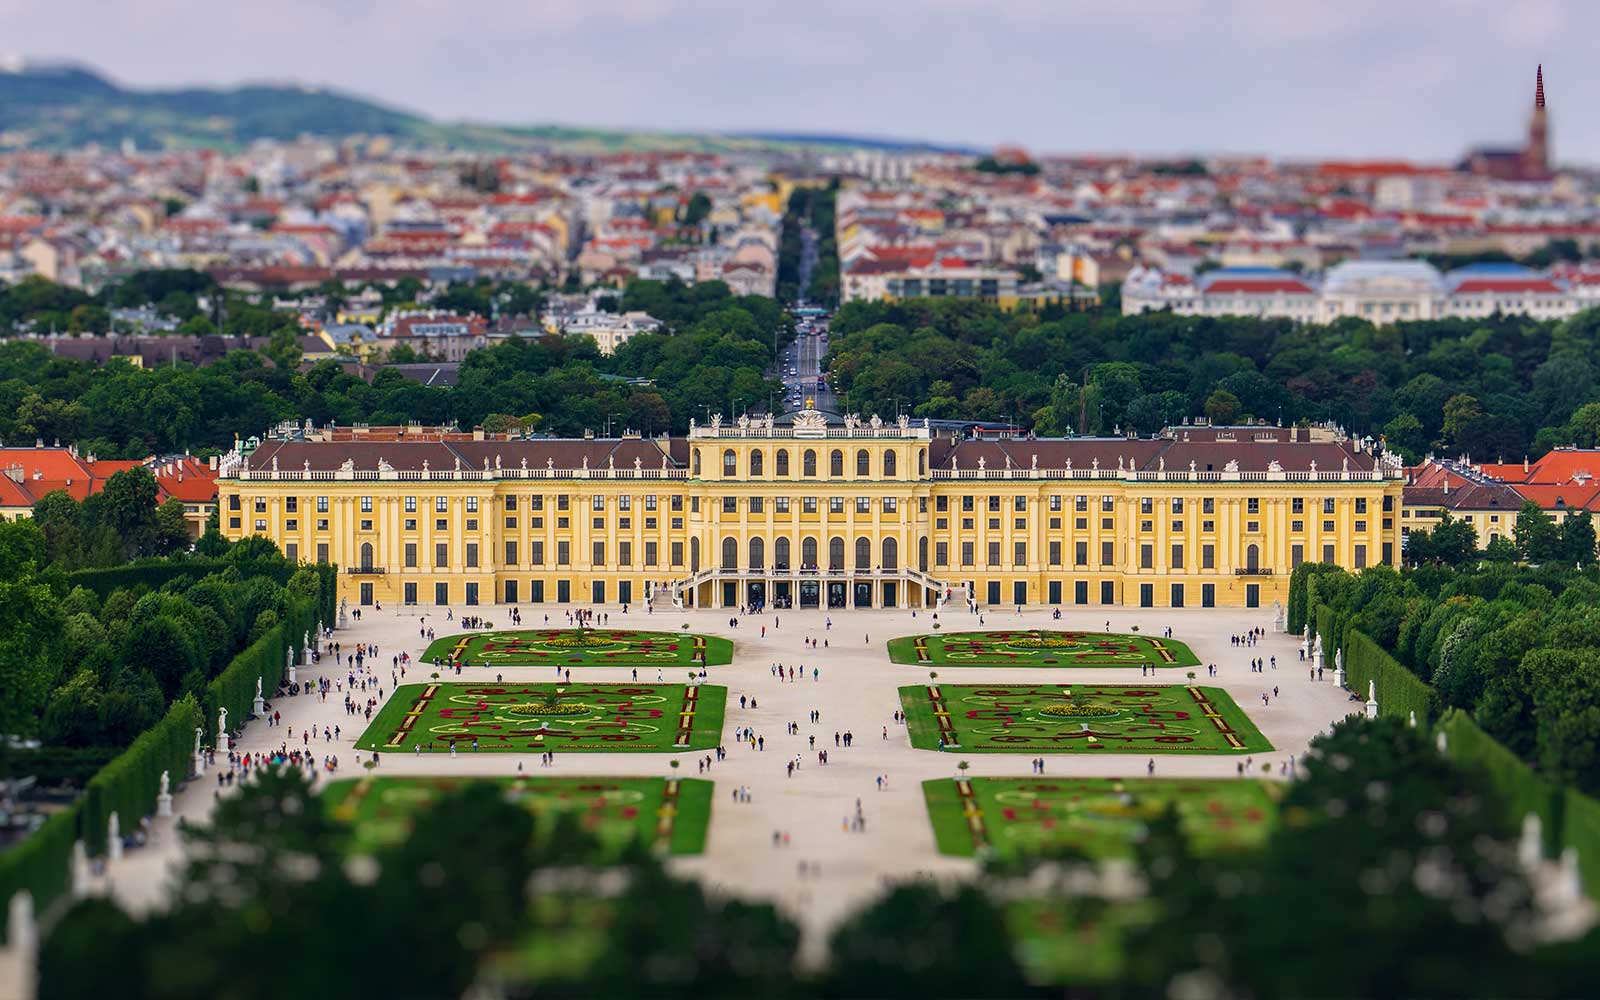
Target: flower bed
(545,708)
(1078,710)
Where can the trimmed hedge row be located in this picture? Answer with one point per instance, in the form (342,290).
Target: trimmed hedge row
(1580,828)
(129,784)
(235,688)
(1324,627)
(1523,789)
(1400,692)
(39,864)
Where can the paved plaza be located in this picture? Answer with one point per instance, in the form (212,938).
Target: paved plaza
(856,692)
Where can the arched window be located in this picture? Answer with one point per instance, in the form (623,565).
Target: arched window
(1252,557)
(780,554)
(922,462)
(808,553)
(696,463)
(730,464)
(808,463)
(888,464)
(694,555)
(730,553)
(366,555)
(863,553)
(782,463)
(758,553)
(863,463)
(922,553)
(835,553)
(836,464)
(891,554)
(755,462)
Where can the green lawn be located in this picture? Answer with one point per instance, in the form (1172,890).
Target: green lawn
(665,718)
(1097,817)
(1140,719)
(667,813)
(589,647)
(1075,941)
(1038,648)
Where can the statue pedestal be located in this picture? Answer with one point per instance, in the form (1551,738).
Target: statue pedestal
(258,708)
(199,764)
(1338,676)
(294,676)
(164,805)
(1372,709)
(222,742)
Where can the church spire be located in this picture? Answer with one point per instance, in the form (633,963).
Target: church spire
(1538,87)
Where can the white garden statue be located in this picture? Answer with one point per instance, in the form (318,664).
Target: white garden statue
(164,800)
(199,757)
(222,730)
(259,708)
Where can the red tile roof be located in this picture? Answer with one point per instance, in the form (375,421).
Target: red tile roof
(1258,286)
(1507,286)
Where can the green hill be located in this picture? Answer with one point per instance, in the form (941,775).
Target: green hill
(65,106)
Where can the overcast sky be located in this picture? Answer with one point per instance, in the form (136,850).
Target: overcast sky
(1415,78)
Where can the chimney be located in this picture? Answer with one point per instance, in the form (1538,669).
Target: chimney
(1524,464)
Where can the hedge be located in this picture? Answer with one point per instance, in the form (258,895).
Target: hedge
(1523,789)
(235,688)
(1400,692)
(39,864)
(1324,627)
(1301,599)
(129,784)
(1580,828)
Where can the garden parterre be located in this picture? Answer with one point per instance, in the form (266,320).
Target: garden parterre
(1097,817)
(534,718)
(1040,648)
(667,814)
(580,647)
(1078,718)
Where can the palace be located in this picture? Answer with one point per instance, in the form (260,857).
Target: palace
(816,510)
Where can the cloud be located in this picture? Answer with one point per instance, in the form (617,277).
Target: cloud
(1419,78)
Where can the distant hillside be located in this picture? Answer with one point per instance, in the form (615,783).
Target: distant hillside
(59,106)
(62,106)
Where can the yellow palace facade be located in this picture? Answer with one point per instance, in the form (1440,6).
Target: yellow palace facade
(817,511)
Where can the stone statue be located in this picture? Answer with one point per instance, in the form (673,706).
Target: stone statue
(166,782)
(222,722)
(198,735)
(1338,659)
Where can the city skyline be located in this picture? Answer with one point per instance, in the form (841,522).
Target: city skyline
(1255,78)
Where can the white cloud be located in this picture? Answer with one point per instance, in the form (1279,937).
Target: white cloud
(1422,78)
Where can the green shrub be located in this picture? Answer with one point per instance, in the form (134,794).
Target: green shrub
(1580,828)
(39,864)
(1400,692)
(1523,789)
(129,784)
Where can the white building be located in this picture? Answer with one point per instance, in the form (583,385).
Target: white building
(1377,291)
(610,330)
